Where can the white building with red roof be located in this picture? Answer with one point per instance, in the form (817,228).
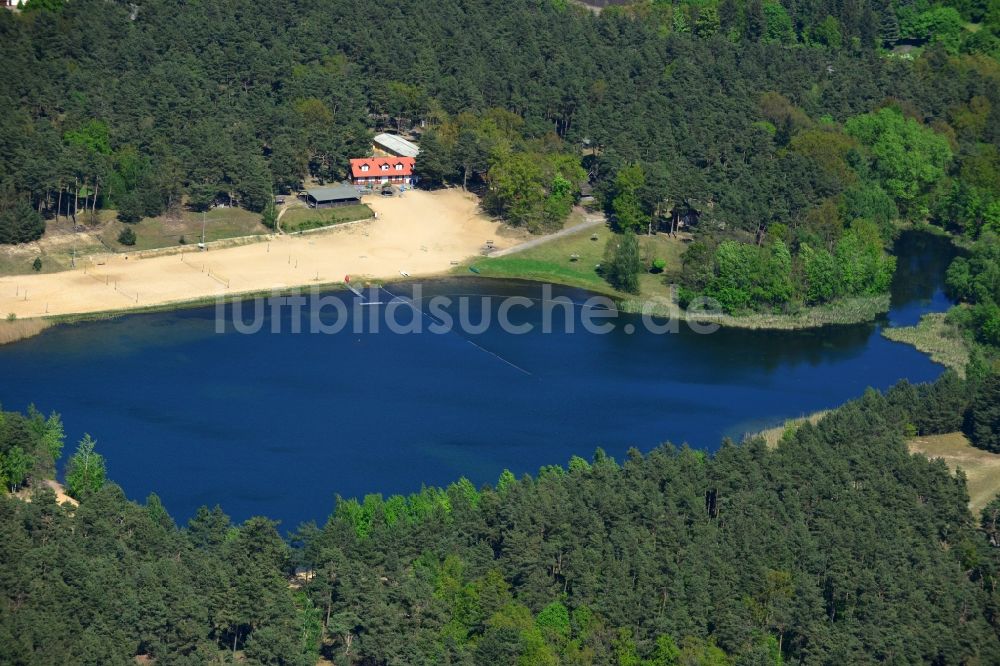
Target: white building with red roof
(378,170)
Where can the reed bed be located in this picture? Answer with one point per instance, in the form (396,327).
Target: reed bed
(19,329)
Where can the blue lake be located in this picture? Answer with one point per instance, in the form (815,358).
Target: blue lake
(280,423)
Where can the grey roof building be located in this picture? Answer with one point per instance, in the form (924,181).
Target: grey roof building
(336,195)
(396,145)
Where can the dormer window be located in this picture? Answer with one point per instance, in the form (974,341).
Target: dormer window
(385,167)
(399,167)
(364,167)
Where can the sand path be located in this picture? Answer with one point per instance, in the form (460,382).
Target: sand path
(592,220)
(55,486)
(419,233)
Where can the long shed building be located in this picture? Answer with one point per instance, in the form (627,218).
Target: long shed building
(393,144)
(329,197)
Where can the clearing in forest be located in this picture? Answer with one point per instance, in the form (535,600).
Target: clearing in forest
(982,468)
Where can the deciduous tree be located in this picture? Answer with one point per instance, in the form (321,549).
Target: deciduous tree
(85,472)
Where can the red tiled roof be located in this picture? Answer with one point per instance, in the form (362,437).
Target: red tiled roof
(375,166)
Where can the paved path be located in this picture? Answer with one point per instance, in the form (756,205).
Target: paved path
(591,221)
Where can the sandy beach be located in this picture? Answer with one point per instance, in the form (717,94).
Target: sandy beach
(419,234)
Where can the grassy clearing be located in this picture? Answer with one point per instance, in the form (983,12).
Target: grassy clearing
(166,231)
(19,329)
(660,246)
(18,259)
(302,219)
(773,436)
(572,260)
(936,337)
(982,468)
(62,242)
(552,262)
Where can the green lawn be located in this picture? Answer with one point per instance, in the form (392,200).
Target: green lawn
(576,216)
(660,247)
(164,231)
(301,219)
(553,262)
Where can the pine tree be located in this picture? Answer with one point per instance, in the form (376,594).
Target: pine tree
(437,162)
(729,15)
(756,22)
(127,236)
(888,25)
(982,424)
(20,222)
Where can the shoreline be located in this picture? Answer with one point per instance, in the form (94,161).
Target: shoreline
(29,327)
(845,312)
(421,234)
(22,329)
(343,240)
(934,336)
(774,435)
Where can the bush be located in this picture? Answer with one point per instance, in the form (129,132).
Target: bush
(36,265)
(658,265)
(127,236)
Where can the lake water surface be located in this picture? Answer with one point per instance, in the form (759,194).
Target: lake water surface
(278,424)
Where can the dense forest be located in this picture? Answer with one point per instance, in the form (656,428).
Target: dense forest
(838,546)
(785,134)
(974,281)
(792,138)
